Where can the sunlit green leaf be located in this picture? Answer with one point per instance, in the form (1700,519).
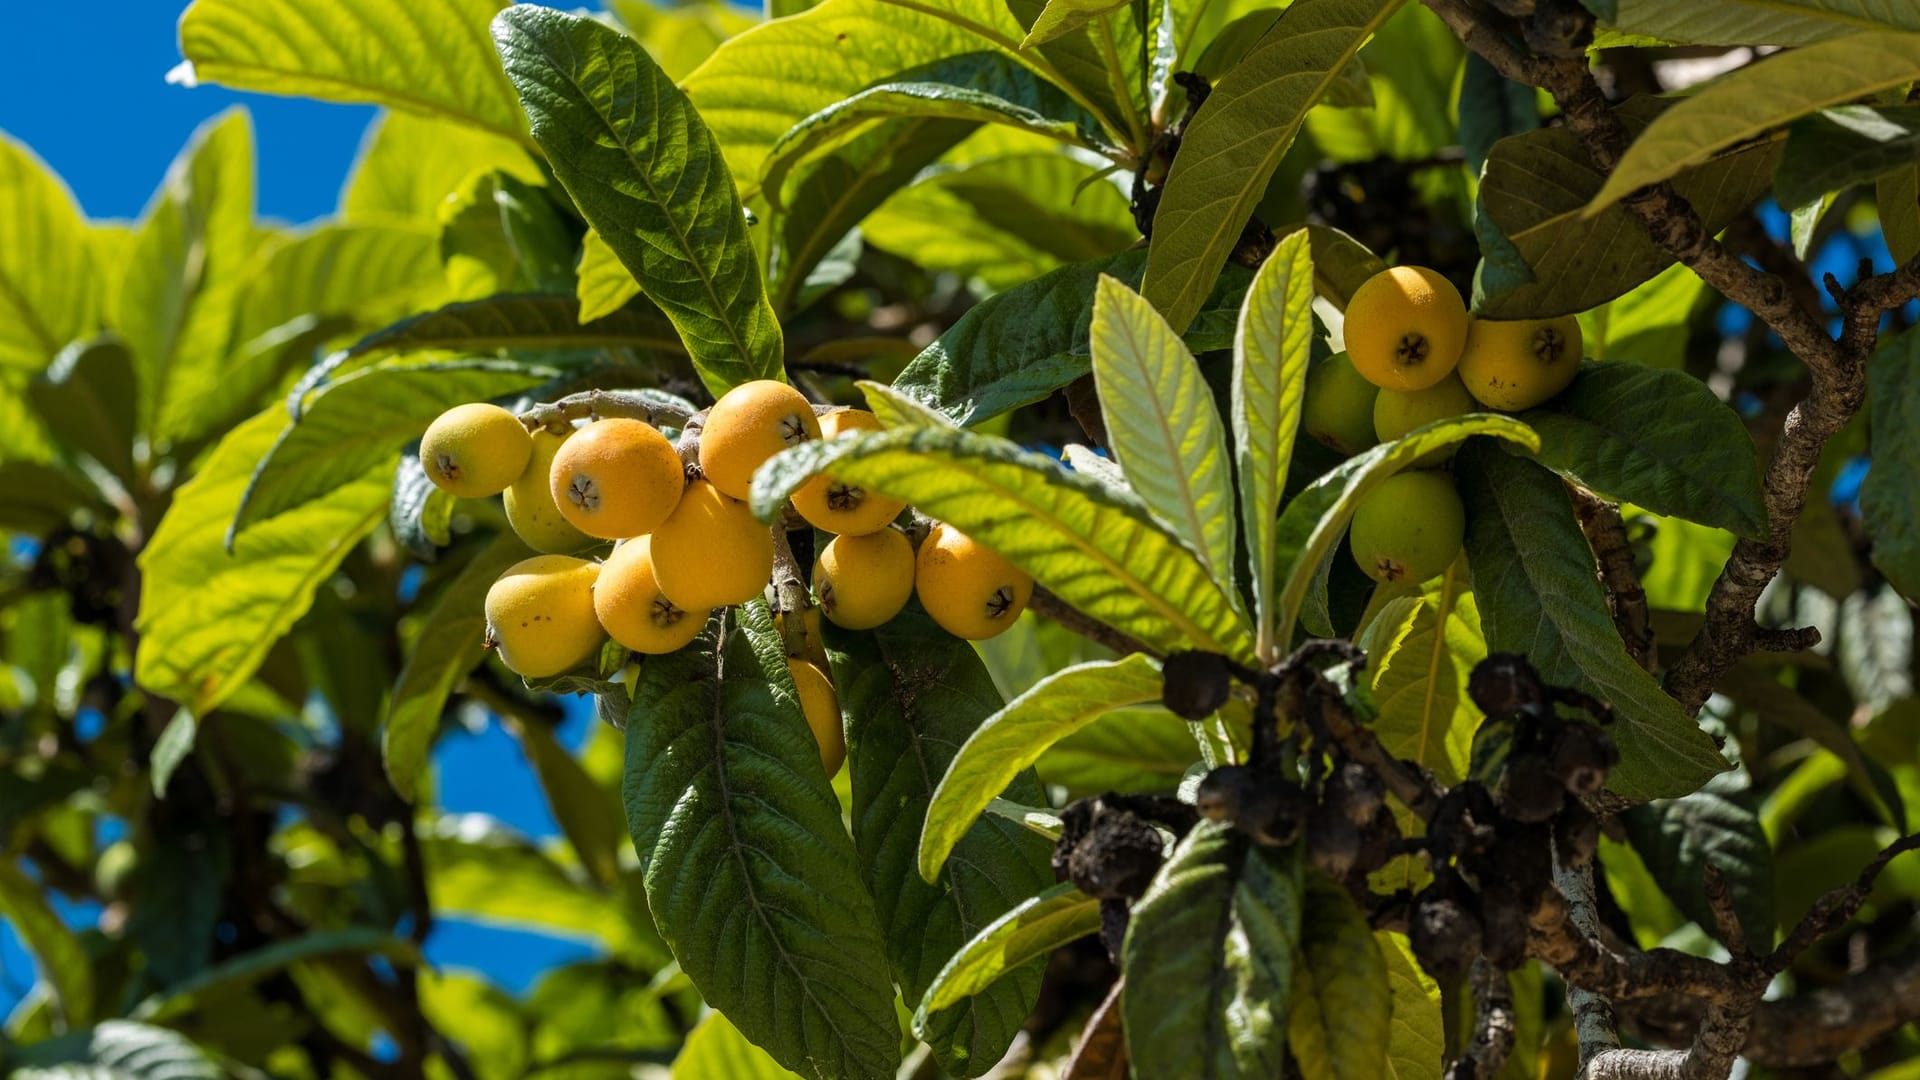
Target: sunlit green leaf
(1419,668)
(1759,22)
(49,291)
(647,174)
(1034,928)
(1416,1043)
(410,163)
(605,286)
(1834,149)
(1342,1003)
(716,1048)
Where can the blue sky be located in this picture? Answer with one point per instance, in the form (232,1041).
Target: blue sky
(91,99)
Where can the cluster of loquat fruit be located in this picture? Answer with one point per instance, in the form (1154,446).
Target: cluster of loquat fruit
(1414,356)
(686,542)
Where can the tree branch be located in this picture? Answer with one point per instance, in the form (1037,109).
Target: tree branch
(1046,603)
(1607,536)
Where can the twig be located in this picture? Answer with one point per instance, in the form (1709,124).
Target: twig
(1607,536)
(648,406)
(1837,906)
(1046,603)
(1494,1025)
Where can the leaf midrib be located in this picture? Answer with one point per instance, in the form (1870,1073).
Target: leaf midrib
(1182,481)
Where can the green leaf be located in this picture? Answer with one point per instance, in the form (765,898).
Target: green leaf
(1270,354)
(1680,838)
(604,284)
(587,818)
(1342,1002)
(1416,1044)
(1753,687)
(1231,148)
(1312,524)
(1758,22)
(57,952)
(1834,149)
(170,750)
(49,289)
(1062,17)
(1492,107)
(1419,671)
(1098,550)
(1007,743)
(1005,220)
(1139,750)
(1543,256)
(1209,959)
(1655,437)
(429,58)
(1022,345)
(1035,927)
(1898,198)
(207,618)
(87,395)
(178,300)
(501,235)
(1104,67)
(682,37)
(647,174)
(982,87)
(1534,580)
(116,1050)
(1886,498)
(716,1048)
(1760,98)
(250,967)
(409,164)
(1650,324)
(448,645)
(360,423)
(749,872)
(911,693)
(1160,418)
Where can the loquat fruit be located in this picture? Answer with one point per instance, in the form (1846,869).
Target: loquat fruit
(475,450)
(540,615)
(1396,412)
(617,478)
(1338,408)
(863,581)
(969,590)
(749,424)
(628,601)
(711,552)
(1405,328)
(1408,529)
(535,518)
(847,509)
(822,709)
(1515,365)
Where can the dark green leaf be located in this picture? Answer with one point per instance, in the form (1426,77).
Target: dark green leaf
(1898,197)
(181,886)
(1231,148)
(37,498)
(1834,149)
(749,872)
(1753,687)
(1007,743)
(1887,502)
(1753,22)
(648,175)
(1035,927)
(87,395)
(912,693)
(1534,581)
(1492,107)
(421,514)
(1680,838)
(1658,438)
(1209,960)
(1097,549)
(1342,1004)
(448,645)
(1022,345)
(1540,256)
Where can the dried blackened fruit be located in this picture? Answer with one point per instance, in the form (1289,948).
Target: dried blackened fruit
(1503,920)
(1576,835)
(1266,808)
(1529,792)
(1445,932)
(1354,792)
(1115,857)
(1197,684)
(1505,684)
(1333,842)
(1581,756)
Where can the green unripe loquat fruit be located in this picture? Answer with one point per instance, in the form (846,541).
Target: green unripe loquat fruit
(1338,410)
(749,424)
(475,450)
(1397,412)
(1409,528)
(863,581)
(540,615)
(969,590)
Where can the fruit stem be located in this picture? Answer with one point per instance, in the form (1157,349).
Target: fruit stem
(649,406)
(790,595)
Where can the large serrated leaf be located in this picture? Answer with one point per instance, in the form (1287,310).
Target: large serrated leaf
(1209,960)
(62,959)
(1760,22)
(646,172)
(982,87)
(1033,928)
(87,395)
(1416,1044)
(1755,100)
(1542,257)
(1680,838)
(449,644)
(1897,196)
(429,57)
(1160,419)
(252,966)
(1887,496)
(1233,144)
(1312,524)
(207,618)
(177,301)
(1534,580)
(750,874)
(513,321)
(1271,350)
(911,693)
(361,423)
(49,291)
(1022,345)
(1655,437)
(1342,1002)
(1007,743)
(1097,549)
